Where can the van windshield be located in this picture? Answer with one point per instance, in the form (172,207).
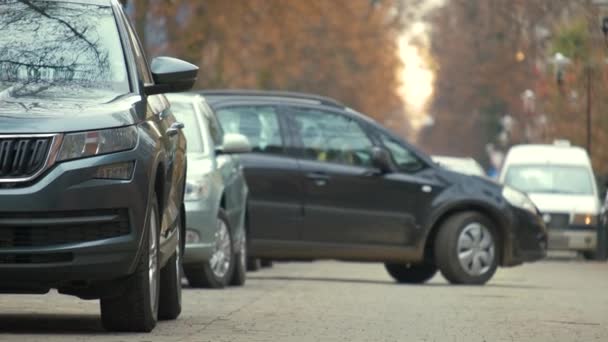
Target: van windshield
(552,179)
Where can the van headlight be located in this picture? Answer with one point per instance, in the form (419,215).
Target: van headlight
(518,199)
(93,143)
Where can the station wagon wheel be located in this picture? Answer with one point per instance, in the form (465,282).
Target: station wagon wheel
(466,249)
(218,270)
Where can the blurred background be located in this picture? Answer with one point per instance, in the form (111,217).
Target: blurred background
(456,77)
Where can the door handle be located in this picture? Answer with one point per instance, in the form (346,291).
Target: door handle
(175,128)
(426,188)
(319,178)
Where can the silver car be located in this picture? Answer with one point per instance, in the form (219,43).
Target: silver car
(215,197)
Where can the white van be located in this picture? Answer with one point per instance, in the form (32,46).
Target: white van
(560,181)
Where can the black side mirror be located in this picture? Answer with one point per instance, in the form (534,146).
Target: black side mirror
(171,75)
(381,159)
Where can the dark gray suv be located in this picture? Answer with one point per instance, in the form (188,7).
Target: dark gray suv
(92,161)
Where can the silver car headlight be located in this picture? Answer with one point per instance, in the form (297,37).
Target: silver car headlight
(93,143)
(518,199)
(198,189)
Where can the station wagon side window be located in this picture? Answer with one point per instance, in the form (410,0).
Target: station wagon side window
(260,124)
(404,159)
(331,137)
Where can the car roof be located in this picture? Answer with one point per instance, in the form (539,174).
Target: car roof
(88,2)
(276,95)
(547,154)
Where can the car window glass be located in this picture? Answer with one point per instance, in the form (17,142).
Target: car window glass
(60,49)
(185,113)
(332,138)
(551,179)
(404,159)
(260,124)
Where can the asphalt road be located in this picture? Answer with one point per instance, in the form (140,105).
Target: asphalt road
(557,300)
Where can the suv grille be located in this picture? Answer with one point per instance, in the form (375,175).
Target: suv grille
(50,229)
(23,157)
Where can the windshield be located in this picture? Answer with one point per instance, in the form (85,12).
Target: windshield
(551,179)
(185,113)
(56,49)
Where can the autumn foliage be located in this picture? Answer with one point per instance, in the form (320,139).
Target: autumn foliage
(342,49)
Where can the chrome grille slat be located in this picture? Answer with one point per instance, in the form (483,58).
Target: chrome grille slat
(23,157)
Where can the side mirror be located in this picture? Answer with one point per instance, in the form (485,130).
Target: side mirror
(381,159)
(171,75)
(235,143)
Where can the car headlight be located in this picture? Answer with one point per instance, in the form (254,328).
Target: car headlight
(93,143)
(585,219)
(518,199)
(198,189)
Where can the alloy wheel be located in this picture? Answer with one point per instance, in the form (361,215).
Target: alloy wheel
(220,261)
(476,249)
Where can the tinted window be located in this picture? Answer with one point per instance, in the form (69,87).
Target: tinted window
(184,112)
(259,124)
(56,49)
(405,160)
(333,138)
(554,179)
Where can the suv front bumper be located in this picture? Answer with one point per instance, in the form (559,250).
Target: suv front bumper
(69,227)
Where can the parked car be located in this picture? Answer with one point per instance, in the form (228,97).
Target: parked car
(216,197)
(328,182)
(560,181)
(92,162)
(468,166)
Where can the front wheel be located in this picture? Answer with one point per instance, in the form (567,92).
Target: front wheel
(217,272)
(411,273)
(136,309)
(465,249)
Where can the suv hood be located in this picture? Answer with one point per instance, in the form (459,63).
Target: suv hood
(560,203)
(58,115)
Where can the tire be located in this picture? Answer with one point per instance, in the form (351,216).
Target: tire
(466,249)
(411,274)
(266,263)
(215,273)
(589,255)
(136,309)
(170,301)
(253,264)
(240,264)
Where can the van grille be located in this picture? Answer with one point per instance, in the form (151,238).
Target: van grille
(23,157)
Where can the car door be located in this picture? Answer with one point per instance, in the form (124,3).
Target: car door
(346,200)
(172,140)
(272,175)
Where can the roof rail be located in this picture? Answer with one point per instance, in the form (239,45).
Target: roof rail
(271,93)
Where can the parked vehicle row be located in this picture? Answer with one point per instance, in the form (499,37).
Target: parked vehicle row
(109,188)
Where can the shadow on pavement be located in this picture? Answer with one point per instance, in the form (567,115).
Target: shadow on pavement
(388,282)
(61,324)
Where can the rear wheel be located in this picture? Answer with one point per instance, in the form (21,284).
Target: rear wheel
(217,272)
(411,273)
(240,264)
(136,309)
(589,255)
(170,302)
(253,264)
(465,249)
(266,263)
